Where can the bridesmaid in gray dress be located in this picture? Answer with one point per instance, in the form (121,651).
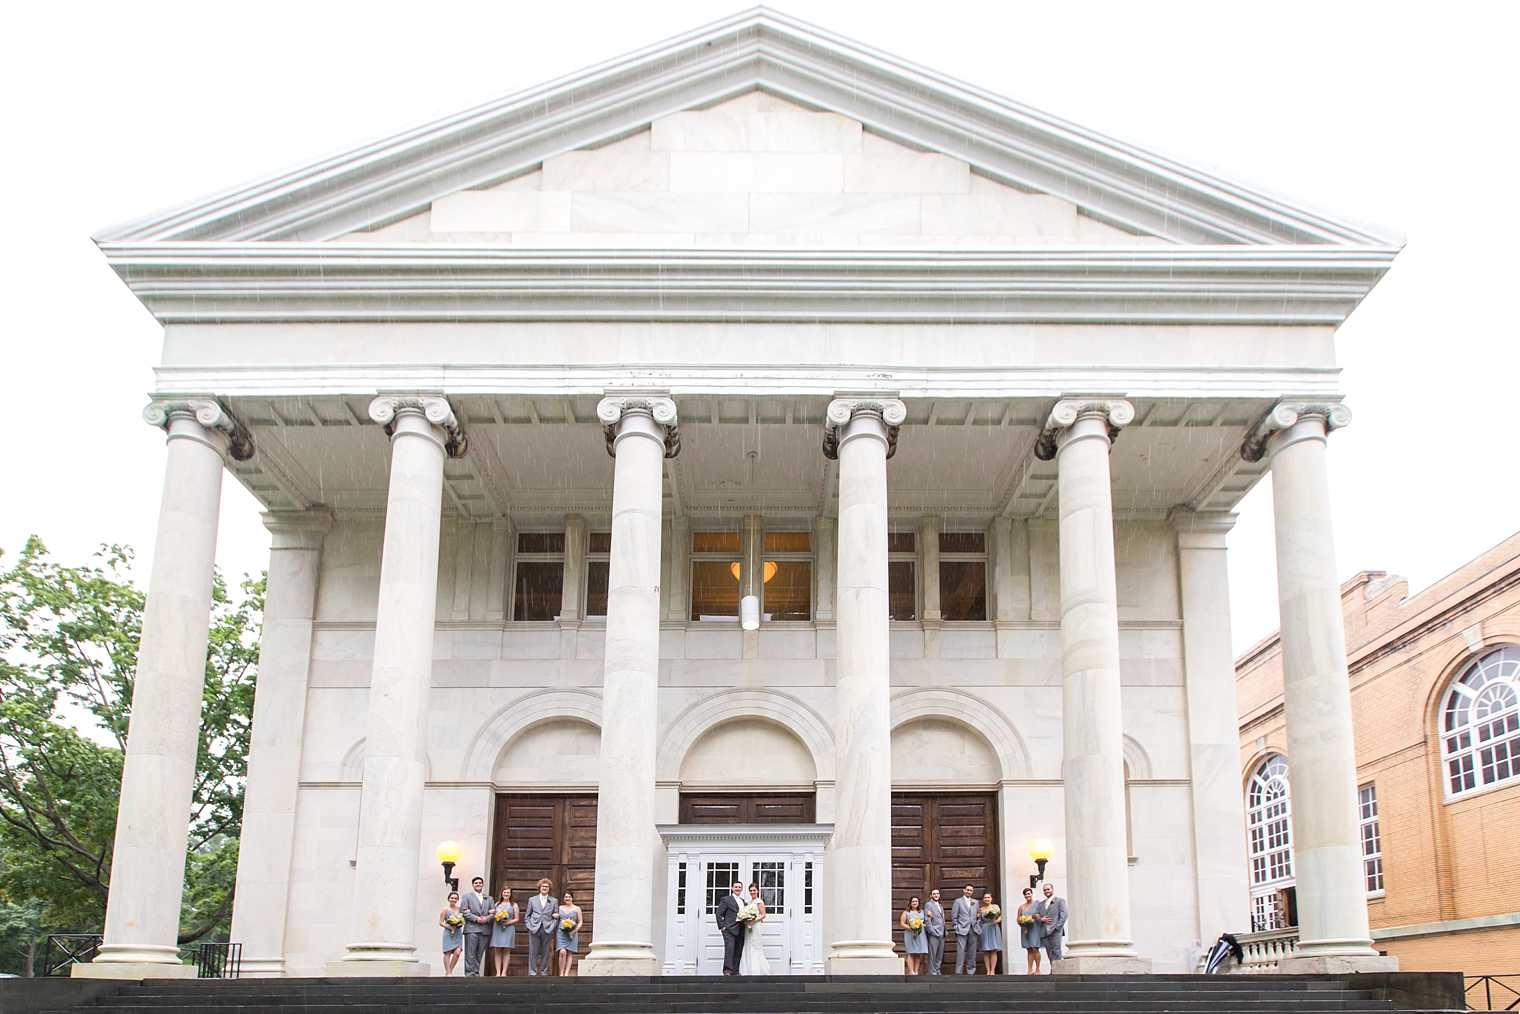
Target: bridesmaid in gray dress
(992,935)
(504,931)
(453,933)
(1029,933)
(567,941)
(915,941)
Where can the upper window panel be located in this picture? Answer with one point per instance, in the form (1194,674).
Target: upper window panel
(1480,723)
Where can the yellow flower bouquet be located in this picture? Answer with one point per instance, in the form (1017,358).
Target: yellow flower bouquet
(455,921)
(1026,920)
(567,924)
(915,923)
(993,913)
(503,914)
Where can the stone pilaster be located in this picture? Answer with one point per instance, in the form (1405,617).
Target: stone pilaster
(423,432)
(1079,436)
(1333,929)
(274,753)
(1219,836)
(862,434)
(158,774)
(641,433)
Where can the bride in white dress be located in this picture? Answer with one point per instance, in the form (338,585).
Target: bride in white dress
(752,959)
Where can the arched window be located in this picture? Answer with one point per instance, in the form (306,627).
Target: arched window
(1480,723)
(1269,833)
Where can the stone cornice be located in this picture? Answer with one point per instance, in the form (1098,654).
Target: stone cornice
(436,410)
(209,413)
(1287,414)
(712,834)
(1117,183)
(184,283)
(892,412)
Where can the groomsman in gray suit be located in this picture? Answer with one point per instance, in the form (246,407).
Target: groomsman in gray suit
(541,920)
(1052,916)
(934,930)
(478,911)
(965,917)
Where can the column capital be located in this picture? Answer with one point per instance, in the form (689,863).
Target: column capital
(1287,414)
(614,408)
(297,529)
(210,415)
(1114,412)
(434,408)
(841,411)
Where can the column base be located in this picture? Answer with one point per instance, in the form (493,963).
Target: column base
(385,968)
(862,957)
(1336,964)
(1101,964)
(591,964)
(262,968)
(134,971)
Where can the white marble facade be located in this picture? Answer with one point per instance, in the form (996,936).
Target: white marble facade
(1060,341)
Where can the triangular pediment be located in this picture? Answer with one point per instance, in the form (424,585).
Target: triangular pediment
(756,130)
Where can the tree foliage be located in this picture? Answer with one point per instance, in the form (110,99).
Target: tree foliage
(68,657)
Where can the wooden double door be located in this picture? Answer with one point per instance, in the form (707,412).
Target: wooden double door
(545,836)
(943,840)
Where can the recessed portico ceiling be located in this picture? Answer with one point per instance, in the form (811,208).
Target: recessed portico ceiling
(1114,182)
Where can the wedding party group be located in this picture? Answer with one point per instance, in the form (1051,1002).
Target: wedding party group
(477,923)
(977,925)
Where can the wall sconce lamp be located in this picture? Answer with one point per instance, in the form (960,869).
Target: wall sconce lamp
(448,855)
(1039,851)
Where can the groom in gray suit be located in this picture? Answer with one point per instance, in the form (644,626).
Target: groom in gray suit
(965,919)
(478,911)
(1052,916)
(934,930)
(542,919)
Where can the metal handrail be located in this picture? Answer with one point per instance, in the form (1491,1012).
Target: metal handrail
(62,951)
(1507,983)
(216,959)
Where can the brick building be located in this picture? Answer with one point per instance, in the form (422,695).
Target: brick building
(1435,687)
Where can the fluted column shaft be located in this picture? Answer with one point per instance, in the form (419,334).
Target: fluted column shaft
(639,435)
(1332,898)
(862,434)
(1099,938)
(274,753)
(158,774)
(383,918)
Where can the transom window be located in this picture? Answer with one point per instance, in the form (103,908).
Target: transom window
(715,570)
(1480,723)
(787,576)
(598,557)
(1269,833)
(902,587)
(1372,839)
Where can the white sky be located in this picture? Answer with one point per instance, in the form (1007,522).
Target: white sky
(1403,116)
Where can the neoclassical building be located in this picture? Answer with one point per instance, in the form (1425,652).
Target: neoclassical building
(755,457)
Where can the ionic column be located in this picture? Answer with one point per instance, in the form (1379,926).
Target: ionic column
(274,752)
(423,432)
(1333,931)
(1079,435)
(862,434)
(158,775)
(1219,822)
(641,433)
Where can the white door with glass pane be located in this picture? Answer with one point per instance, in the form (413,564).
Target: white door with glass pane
(789,874)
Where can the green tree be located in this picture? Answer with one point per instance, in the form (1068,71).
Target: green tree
(68,656)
